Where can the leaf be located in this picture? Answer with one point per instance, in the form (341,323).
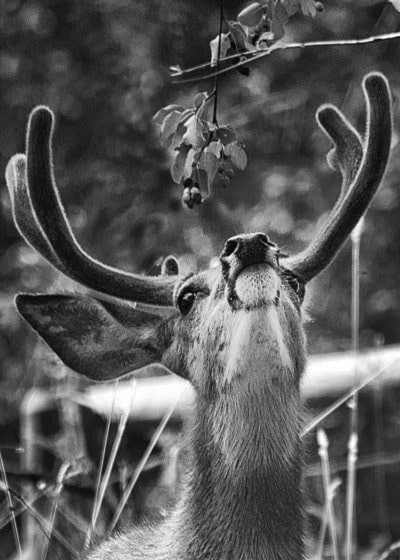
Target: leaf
(190,163)
(396,4)
(237,154)
(163,112)
(193,135)
(169,125)
(226,134)
(177,138)
(251,15)
(308,7)
(214,46)
(203,181)
(209,161)
(199,99)
(291,6)
(178,166)
(265,39)
(279,20)
(239,36)
(214,148)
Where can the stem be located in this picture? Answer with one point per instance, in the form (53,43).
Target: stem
(380,473)
(217,69)
(353,403)
(323,445)
(54,506)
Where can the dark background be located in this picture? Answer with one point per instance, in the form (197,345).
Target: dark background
(102,66)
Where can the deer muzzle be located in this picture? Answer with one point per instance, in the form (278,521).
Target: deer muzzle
(249,268)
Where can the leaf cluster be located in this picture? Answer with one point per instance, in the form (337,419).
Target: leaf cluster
(261,24)
(204,152)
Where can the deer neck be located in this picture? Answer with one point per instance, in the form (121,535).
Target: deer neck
(244,497)
(248,505)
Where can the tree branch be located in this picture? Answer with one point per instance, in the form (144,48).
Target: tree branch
(256,54)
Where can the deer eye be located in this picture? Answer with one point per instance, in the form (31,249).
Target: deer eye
(186,301)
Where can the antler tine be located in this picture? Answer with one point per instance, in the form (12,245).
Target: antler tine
(51,216)
(23,213)
(365,176)
(347,153)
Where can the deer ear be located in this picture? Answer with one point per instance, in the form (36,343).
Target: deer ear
(100,339)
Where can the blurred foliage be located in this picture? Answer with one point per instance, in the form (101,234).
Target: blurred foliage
(101,65)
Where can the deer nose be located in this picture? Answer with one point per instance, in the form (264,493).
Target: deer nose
(249,249)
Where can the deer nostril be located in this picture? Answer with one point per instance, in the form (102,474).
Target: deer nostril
(230,247)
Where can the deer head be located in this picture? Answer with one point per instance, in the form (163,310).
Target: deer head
(201,314)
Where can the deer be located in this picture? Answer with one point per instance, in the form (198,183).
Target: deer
(235,332)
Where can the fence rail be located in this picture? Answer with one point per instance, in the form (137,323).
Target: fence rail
(326,375)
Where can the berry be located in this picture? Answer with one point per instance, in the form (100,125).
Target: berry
(186,195)
(189,202)
(230,173)
(196,195)
(319,7)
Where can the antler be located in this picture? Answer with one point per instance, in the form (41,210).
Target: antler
(23,213)
(41,219)
(362,166)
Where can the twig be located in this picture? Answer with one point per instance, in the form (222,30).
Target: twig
(255,54)
(43,525)
(217,69)
(367,462)
(328,411)
(21,507)
(10,507)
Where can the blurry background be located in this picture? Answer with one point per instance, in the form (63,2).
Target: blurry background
(102,66)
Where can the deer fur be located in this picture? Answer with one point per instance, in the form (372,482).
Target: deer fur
(235,332)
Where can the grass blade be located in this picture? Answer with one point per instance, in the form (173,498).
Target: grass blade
(323,445)
(10,507)
(342,400)
(57,493)
(352,446)
(89,534)
(113,454)
(143,462)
